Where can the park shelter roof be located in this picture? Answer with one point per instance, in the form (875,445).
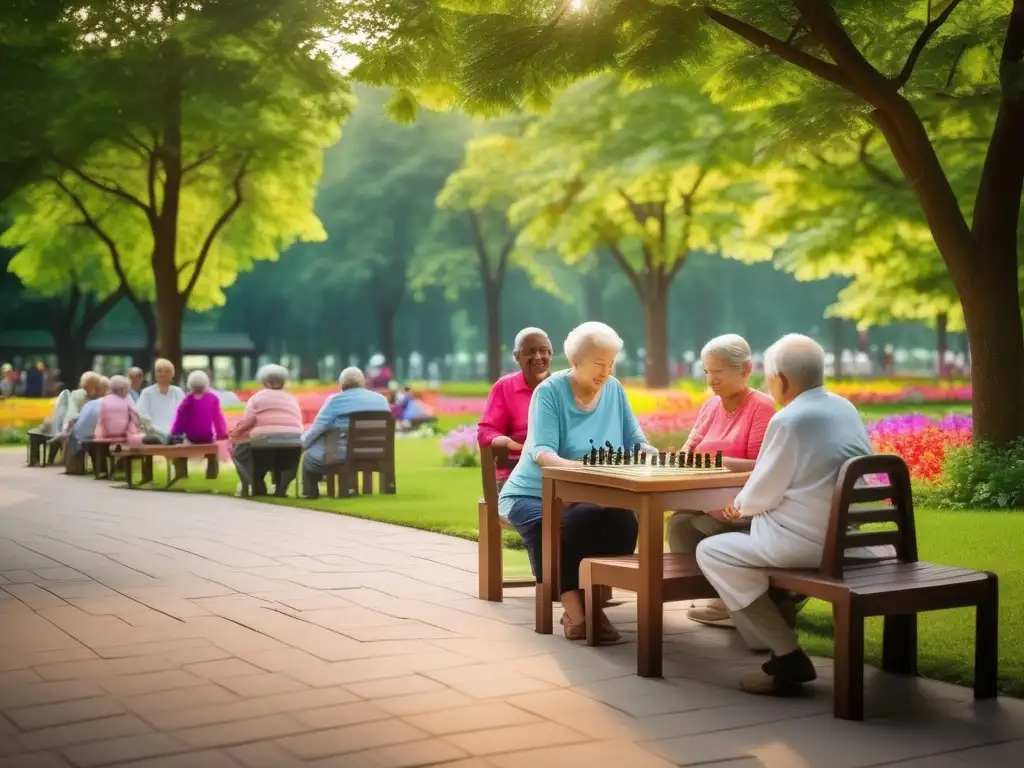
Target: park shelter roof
(127,342)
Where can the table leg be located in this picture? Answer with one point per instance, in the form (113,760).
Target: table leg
(649,601)
(551,546)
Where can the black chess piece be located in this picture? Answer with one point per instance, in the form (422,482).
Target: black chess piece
(636,453)
(586,457)
(593,453)
(661,459)
(707,461)
(672,457)
(699,463)
(609,446)
(643,457)
(689,459)
(618,456)
(718,459)
(600,456)
(627,458)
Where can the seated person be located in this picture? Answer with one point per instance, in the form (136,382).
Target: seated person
(333,415)
(83,426)
(159,402)
(272,417)
(504,420)
(88,389)
(135,376)
(733,421)
(570,412)
(787,501)
(199,418)
(118,421)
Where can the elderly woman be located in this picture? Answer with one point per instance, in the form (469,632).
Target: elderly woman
(571,411)
(733,421)
(505,416)
(118,421)
(272,417)
(68,409)
(199,418)
(158,403)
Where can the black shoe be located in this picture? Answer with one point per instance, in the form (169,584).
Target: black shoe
(781,675)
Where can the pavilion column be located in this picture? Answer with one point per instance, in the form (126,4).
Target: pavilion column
(238,360)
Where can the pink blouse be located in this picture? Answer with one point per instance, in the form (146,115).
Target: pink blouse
(118,421)
(506,413)
(738,435)
(268,412)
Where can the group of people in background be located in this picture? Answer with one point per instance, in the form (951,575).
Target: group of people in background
(793,439)
(37,381)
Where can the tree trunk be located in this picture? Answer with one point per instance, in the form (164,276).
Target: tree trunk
(492,308)
(593,297)
(70,358)
(655,303)
(148,316)
(170,318)
(941,342)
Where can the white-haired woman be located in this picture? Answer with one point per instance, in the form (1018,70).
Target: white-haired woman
(118,420)
(272,417)
(571,412)
(732,421)
(199,418)
(505,416)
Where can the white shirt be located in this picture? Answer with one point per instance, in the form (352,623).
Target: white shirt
(789,493)
(157,409)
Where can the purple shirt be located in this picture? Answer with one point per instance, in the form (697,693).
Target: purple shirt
(200,419)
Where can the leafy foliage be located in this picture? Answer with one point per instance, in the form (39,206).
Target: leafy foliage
(979,477)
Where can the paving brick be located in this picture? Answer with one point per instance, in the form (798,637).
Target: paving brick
(485,681)
(423,702)
(353,738)
(19,677)
(246,709)
(416,753)
(181,698)
(95,668)
(262,754)
(263,684)
(47,693)
(152,682)
(61,736)
(394,686)
(516,738)
(218,670)
(206,759)
(484,716)
(124,749)
(241,731)
(342,714)
(35,760)
(282,660)
(608,753)
(47,715)
(345,672)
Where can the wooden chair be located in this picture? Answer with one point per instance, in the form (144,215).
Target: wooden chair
(897,588)
(489,544)
(279,461)
(37,440)
(369,448)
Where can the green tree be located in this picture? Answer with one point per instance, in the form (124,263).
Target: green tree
(199,124)
(821,70)
(645,178)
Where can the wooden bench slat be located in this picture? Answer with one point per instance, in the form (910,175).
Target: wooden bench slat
(871,493)
(873,539)
(867,515)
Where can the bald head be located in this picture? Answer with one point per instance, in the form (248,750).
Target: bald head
(792,365)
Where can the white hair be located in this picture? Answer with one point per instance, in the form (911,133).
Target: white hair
(120,386)
(521,336)
(162,363)
(797,357)
(134,371)
(352,378)
(198,382)
(273,376)
(588,337)
(731,349)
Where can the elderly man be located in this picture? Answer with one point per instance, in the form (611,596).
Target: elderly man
(135,376)
(334,413)
(158,403)
(83,426)
(787,501)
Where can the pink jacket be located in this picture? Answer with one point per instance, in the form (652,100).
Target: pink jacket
(268,412)
(118,421)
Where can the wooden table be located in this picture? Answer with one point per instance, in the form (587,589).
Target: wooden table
(650,497)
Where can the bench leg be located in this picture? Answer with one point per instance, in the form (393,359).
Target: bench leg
(489,553)
(147,470)
(180,468)
(129,471)
(367,483)
(212,467)
(899,644)
(986,644)
(330,484)
(849,661)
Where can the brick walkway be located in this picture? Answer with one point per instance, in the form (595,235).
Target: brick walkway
(150,629)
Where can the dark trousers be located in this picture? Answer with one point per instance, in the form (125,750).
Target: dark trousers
(587,531)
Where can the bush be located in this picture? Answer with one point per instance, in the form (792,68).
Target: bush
(978,477)
(460,447)
(12,437)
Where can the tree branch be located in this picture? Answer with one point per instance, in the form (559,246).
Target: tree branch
(760,39)
(953,68)
(97,312)
(873,170)
(109,188)
(201,159)
(503,258)
(631,275)
(480,245)
(218,225)
(635,208)
(922,41)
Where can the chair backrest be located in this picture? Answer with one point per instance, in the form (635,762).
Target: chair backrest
(855,505)
(491,460)
(370,436)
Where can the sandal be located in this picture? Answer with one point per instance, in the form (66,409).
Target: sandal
(573,631)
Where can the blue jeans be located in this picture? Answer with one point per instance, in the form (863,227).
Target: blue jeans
(587,531)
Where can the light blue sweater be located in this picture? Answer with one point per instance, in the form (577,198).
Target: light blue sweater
(556,424)
(334,415)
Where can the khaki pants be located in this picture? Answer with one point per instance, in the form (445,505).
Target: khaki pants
(687,529)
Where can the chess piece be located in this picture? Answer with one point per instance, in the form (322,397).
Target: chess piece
(672,458)
(636,453)
(618,456)
(698,461)
(661,458)
(707,461)
(586,457)
(718,459)
(643,457)
(627,458)
(593,453)
(600,456)
(689,458)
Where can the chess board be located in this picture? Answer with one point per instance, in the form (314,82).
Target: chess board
(649,470)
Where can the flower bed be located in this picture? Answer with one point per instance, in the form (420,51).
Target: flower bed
(921,441)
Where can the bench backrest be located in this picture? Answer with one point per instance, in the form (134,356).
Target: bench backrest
(370,436)
(491,460)
(891,503)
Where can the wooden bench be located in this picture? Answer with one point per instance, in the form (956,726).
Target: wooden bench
(279,461)
(99,453)
(177,457)
(491,527)
(43,449)
(898,588)
(369,449)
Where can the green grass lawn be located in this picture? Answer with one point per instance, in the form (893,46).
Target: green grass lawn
(443,499)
